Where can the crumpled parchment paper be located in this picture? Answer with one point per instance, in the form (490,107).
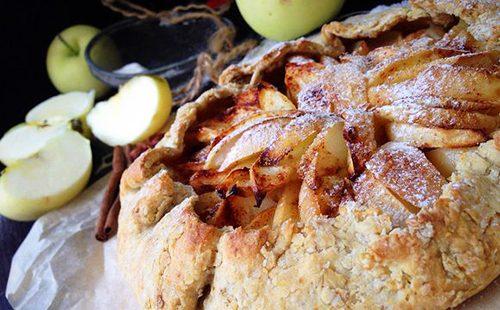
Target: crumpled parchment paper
(60,265)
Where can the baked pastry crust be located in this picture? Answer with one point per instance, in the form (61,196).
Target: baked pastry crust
(347,221)
(481,16)
(381,19)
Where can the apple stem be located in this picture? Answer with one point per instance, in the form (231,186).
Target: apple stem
(74,51)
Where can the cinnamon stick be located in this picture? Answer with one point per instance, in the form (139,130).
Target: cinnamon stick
(111,193)
(111,226)
(107,223)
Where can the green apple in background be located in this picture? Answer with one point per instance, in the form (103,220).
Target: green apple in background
(287,19)
(66,64)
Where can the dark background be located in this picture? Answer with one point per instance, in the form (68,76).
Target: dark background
(27,28)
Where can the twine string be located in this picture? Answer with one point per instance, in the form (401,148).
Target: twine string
(221,50)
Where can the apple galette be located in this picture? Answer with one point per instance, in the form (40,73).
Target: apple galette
(361,173)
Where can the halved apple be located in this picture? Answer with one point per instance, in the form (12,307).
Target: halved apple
(47,180)
(140,109)
(71,107)
(23,141)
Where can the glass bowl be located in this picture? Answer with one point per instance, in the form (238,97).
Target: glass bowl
(133,47)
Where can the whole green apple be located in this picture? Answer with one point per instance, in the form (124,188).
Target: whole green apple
(282,20)
(66,64)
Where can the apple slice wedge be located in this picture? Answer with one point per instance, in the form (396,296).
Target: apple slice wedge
(279,162)
(406,172)
(140,109)
(246,141)
(64,108)
(372,194)
(47,180)
(23,141)
(323,168)
(424,137)
(445,159)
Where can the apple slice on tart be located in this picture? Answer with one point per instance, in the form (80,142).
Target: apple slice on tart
(228,150)
(448,80)
(445,159)
(371,193)
(438,117)
(406,171)
(425,137)
(323,170)
(278,163)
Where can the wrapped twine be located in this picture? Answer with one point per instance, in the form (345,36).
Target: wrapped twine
(221,49)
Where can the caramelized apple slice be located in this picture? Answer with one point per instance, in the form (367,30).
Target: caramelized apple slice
(244,208)
(445,159)
(407,63)
(323,200)
(208,130)
(323,168)
(371,193)
(287,207)
(405,171)
(278,163)
(245,141)
(299,74)
(336,88)
(222,181)
(327,155)
(360,135)
(484,107)
(262,219)
(460,82)
(207,206)
(270,99)
(266,97)
(437,117)
(404,65)
(424,137)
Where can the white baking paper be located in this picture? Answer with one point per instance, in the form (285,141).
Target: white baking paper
(60,265)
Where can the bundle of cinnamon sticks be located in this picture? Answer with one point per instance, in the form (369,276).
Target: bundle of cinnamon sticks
(107,223)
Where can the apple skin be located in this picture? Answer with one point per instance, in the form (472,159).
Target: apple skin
(66,66)
(283,20)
